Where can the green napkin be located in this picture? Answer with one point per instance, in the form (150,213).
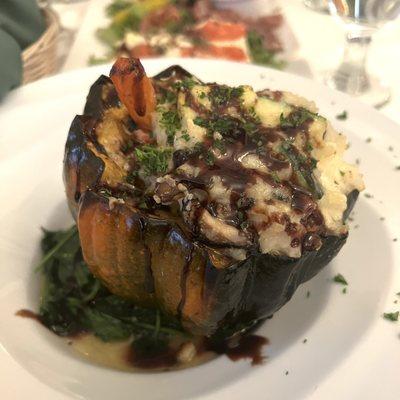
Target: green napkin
(21,24)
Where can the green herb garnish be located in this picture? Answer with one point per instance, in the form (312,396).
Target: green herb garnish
(200,122)
(342,116)
(185,84)
(296,118)
(275,177)
(302,168)
(309,147)
(219,144)
(185,136)
(153,159)
(391,316)
(167,96)
(221,95)
(339,278)
(209,158)
(171,122)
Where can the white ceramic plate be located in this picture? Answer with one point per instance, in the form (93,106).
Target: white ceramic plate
(351,351)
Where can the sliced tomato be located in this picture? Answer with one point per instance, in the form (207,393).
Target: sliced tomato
(213,30)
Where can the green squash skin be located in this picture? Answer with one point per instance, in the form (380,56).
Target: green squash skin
(231,298)
(260,285)
(82,168)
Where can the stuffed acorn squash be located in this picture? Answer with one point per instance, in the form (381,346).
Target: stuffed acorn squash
(212,203)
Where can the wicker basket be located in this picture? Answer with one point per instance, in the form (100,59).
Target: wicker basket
(40,58)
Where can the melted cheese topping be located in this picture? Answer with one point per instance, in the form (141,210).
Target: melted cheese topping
(334,176)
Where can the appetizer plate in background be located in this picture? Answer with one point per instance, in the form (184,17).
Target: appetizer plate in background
(351,352)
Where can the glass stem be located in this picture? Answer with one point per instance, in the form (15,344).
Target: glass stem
(351,76)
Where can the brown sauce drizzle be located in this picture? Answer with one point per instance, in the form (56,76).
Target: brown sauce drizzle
(248,346)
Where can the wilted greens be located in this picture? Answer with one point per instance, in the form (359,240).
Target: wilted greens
(74,301)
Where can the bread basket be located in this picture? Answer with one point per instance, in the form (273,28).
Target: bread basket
(40,58)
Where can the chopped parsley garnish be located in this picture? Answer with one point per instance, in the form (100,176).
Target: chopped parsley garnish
(200,122)
(308,294)
(202,95)
(260,54)
(368,195)
(250,127)
(296,118)
(305,340)
(171,122)
(185,136)
(309,147)
(167,96)
(344,290)
(302,168)
(391,316)
(244,225)
(342,116)
(230,128)
(342,173)
(219,144)
(224,125)
(339,278)
(153,160)
(222,95)
(209,158)
(275,177)
(187,83)
(368,140)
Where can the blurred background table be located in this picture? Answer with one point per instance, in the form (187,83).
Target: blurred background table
(319,42)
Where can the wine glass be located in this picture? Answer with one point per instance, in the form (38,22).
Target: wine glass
(362,18)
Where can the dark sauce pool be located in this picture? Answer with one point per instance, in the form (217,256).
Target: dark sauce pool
(179,354)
